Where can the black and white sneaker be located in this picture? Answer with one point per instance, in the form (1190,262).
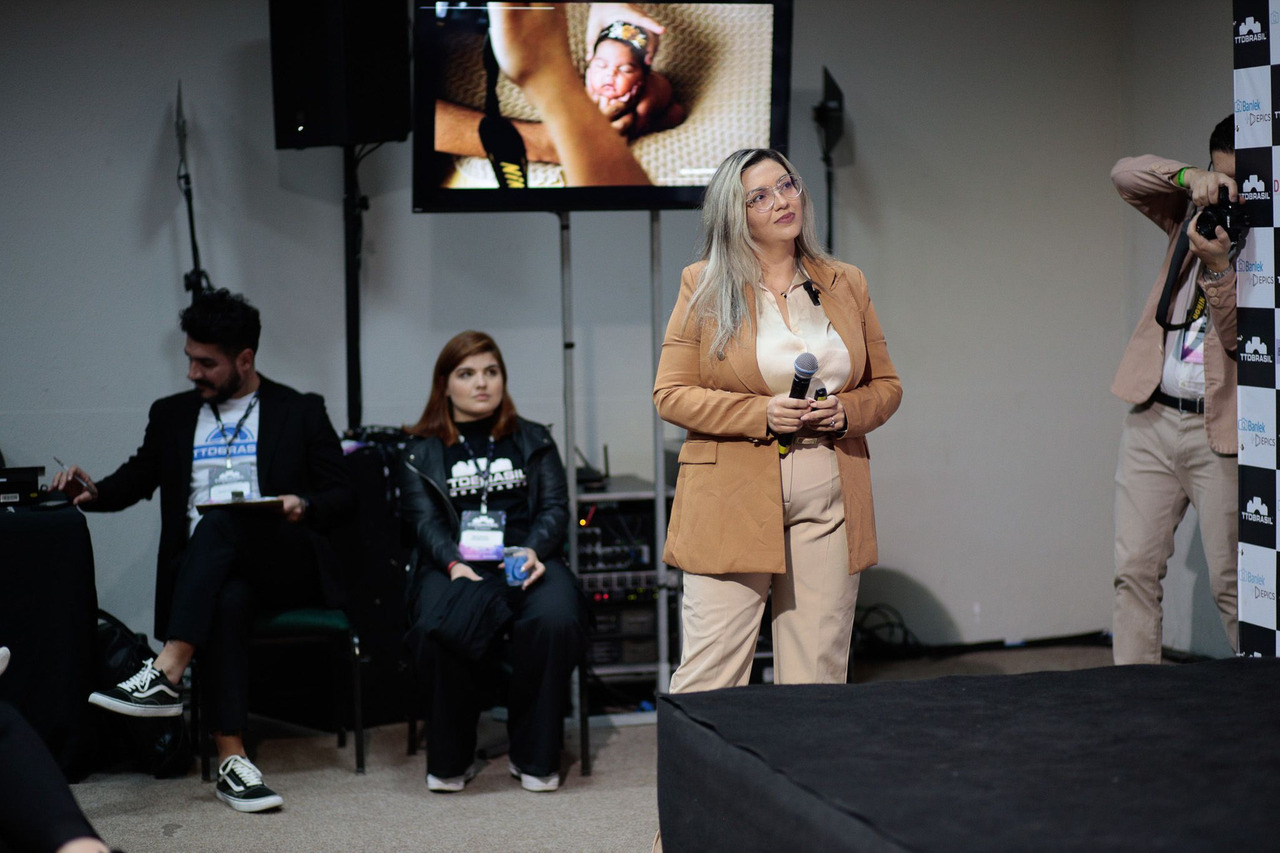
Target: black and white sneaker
(147,694)
(240,786)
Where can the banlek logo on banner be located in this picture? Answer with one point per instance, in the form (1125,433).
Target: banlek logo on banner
(1256,585)
(1258,506)
(1256,347)
(1256,270)
(1256,426)
(1253,174)
(1251,33)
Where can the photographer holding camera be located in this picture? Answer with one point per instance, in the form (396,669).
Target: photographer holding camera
(1179,440)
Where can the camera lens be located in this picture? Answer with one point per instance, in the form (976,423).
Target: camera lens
(1207,224)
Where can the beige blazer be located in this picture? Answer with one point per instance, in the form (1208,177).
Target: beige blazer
(1147,183)
(727,514)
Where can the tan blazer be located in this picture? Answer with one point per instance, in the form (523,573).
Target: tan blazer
(727,515)
(1147,183)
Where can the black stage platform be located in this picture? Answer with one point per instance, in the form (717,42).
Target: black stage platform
(1140,758)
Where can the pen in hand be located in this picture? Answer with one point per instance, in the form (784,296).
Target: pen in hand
(86,487)
(81,480)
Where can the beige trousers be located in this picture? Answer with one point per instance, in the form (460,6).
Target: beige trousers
(813,602)
(1166,463)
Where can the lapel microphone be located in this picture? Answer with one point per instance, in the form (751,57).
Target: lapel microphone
(812,291)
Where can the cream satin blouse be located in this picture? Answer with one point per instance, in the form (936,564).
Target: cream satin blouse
(789,325)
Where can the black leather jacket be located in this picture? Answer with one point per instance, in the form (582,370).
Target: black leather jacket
(434,522)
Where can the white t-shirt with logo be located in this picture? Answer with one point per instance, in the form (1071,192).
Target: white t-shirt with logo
(211,479)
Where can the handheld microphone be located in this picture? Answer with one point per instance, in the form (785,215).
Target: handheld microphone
(806,366)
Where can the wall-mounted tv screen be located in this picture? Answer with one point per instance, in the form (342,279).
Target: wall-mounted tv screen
(665,91)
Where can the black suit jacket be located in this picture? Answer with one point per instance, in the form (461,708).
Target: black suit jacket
(298,453)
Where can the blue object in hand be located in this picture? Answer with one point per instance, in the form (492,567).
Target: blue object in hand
(513,561)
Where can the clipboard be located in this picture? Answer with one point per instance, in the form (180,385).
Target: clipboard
(247,505)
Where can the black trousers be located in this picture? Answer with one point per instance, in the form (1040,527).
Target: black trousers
(37,811)
(546,643)
(237,564)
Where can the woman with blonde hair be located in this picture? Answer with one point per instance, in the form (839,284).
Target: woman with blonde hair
(774,493)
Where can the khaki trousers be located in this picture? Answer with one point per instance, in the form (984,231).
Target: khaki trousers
(813,602)
(1166,463)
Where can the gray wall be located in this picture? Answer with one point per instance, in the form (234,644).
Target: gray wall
(972,188)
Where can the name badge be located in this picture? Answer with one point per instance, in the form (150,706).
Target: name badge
(230,485)
(482,534)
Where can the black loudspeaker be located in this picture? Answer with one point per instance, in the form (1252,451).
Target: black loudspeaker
(339,71)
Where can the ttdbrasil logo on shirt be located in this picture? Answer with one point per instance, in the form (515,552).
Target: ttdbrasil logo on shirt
(466,476)
(214,445)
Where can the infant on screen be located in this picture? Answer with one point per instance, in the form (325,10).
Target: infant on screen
(619,80)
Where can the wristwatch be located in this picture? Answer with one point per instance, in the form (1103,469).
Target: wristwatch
(1210,276)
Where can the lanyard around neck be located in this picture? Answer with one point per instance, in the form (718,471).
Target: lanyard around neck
(222,430)
(487,476)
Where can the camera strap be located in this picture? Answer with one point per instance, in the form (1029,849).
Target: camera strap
(502,142)
(1176,261)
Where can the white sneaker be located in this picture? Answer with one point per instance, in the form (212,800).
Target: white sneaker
(4,658)
(453,784)
(537,784)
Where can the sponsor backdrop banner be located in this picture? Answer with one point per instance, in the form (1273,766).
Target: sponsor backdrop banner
(1256,29)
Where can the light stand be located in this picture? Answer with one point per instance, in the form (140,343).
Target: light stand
(197,280)
(354,204)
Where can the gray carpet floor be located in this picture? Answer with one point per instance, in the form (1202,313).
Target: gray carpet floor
(330,808)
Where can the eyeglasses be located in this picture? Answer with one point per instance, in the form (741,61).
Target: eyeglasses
(763,199)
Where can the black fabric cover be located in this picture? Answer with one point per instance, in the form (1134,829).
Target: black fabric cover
(468,618)
(48,619)
(1110,759)
(373,556)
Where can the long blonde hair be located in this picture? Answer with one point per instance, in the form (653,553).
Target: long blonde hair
(732,263)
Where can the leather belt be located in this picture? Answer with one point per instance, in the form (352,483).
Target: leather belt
(1182,404)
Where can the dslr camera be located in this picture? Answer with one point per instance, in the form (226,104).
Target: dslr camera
(1230,215)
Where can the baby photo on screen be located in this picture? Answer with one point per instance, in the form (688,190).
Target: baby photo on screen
(681,84)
